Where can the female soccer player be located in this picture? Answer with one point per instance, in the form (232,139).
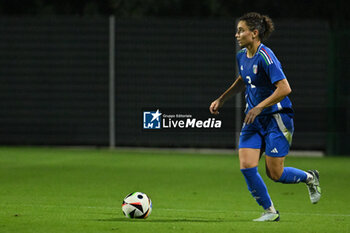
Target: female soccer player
(268,124)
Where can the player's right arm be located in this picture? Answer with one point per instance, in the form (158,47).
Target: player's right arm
(237,87)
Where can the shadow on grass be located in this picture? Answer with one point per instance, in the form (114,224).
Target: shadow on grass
(167,220)
(163,220)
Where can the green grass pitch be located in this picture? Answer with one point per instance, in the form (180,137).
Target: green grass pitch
(81,190)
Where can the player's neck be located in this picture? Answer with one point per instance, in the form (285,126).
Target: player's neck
(252,48)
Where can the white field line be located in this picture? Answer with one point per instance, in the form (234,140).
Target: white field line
(170,210)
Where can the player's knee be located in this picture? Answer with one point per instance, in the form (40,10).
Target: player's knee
(275,177)
(247,164)
(273,174)
(248,158)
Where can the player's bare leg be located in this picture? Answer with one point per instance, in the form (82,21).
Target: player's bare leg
(276,171)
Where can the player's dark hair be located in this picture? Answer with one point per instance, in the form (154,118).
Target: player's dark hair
(262,23)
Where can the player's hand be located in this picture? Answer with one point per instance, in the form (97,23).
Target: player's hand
(252,114)
(215,105)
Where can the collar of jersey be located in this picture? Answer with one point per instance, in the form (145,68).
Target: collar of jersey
(257,51)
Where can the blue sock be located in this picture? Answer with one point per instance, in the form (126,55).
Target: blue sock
(292,175)
(257,187)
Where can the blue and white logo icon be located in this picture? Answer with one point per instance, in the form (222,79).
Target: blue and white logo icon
(152,119)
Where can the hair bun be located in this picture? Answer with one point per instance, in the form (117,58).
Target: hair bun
(262,23)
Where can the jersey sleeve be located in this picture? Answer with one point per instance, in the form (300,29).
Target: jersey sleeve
(271,66)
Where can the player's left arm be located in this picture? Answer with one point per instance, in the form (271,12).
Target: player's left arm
(282,90)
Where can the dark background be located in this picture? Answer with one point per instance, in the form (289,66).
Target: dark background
(335,11)
(180,54)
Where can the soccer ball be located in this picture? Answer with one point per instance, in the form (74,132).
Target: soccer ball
(137,205)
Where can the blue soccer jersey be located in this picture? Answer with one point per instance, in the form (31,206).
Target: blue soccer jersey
(259,73)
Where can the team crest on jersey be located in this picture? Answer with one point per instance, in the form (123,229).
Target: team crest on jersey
(255,69)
